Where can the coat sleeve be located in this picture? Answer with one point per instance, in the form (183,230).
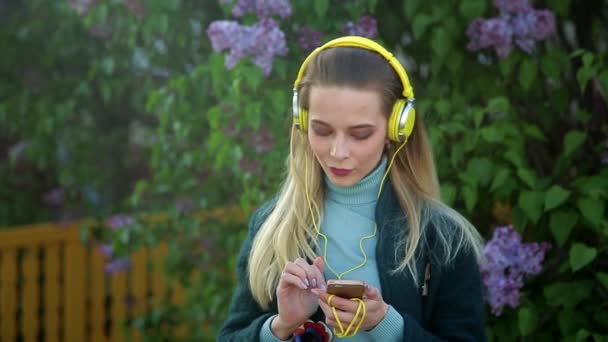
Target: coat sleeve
(245,316)
(457,312)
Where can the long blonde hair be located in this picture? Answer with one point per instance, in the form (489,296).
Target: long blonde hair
(288,231)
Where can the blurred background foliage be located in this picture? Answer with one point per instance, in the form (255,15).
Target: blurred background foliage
(139,106)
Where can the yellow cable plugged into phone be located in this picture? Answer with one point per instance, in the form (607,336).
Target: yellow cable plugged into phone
(361,306)
(342,332)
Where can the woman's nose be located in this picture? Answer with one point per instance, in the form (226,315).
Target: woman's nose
(339,149)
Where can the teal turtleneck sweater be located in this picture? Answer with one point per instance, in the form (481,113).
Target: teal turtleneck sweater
(349,218)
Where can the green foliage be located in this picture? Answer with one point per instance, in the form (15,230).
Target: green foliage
(129,110)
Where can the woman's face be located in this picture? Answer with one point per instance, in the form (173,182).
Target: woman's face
(347,131)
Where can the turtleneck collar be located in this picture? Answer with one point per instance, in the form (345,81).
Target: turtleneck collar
(364,192)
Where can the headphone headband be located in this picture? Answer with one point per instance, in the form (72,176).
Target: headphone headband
(363,43)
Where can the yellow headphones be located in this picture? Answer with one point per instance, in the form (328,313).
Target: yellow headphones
(403,115)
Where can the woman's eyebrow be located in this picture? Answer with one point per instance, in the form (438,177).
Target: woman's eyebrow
(366,125)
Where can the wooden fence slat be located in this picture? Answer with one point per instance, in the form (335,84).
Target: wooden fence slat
(159,285)
(119,306)
(98,297)
(139,287)
(38,234)
(8,294)
(52,292)
(30,295)
(74,295)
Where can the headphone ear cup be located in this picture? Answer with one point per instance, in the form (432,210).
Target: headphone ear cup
(303,120)
(393,121)
(398,129)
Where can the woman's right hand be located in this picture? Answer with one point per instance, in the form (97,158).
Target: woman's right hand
(296,301)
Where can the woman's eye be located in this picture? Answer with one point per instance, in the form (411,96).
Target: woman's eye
(362,136)
(322,132)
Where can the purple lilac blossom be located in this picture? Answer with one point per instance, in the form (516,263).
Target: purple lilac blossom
(261,41)
(262,8)
(106,250)
(54,198)
(309,38)
(365,27)
(512,6)
(518,24)
(507,262)
(119,221)
(118,265)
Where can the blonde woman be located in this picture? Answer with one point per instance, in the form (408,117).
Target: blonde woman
(360,202)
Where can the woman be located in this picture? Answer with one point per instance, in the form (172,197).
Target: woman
(361,202)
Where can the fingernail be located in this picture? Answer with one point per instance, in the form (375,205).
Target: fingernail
(303,286)
(306,282)
(323,287)
(314,283)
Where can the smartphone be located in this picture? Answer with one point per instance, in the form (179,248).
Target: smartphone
(346,288)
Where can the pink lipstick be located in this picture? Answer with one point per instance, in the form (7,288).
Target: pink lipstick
(340,172)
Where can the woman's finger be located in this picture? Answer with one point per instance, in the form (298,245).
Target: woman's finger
(296,270)
(311,279)
(291,279)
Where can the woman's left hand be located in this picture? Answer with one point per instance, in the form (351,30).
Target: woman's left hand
(376,309)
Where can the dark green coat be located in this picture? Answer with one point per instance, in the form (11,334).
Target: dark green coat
(451,311)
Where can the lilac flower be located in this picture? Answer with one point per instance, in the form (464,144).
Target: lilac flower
(365,27)
(135,7)
(545,24)
(495,32)
(106,250)
(262,8)
(261,41)
(512,6)
(518,24)
(118,265)
(262,140)
(507,262)
(54,198)
(119,221)
(185,205)
(309,38)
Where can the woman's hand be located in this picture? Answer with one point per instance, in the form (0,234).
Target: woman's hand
(376,309)
(296,301)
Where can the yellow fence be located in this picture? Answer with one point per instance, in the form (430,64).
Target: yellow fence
(54,288)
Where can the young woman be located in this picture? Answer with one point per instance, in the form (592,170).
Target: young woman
(360,201)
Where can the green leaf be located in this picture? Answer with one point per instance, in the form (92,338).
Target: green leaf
(499,179)
(568,294)
(420,24)
(480,169)
(582,335)
(573,141)
(448,193)
(534,132)
(531,202)
(515,157)
(499,104)
(491,134)
(555,197)
(592,210)
(527,73)
(527,320)
(440,42)
(603,278)
(561,224)
(410,7)
(472,9)
(321,7)
(581,255)
(470,197)
(527,176)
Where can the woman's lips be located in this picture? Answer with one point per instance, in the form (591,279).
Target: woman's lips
(340,172)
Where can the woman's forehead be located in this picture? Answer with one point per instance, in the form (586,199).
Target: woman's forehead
(348,105)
